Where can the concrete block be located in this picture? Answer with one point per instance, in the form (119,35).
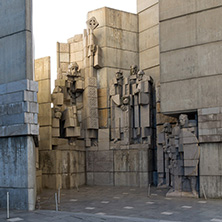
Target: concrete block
(77,162)
(103,117)
(144,180)
(149,58)
(64,47)
(178,33)
(42,69)
(149,38)
(126,179)
(44,95)
(17,51)
(210,159)
(143,4)
(76,46)
(174,8)
(19,177)
(45,114)
(149,18)
(76,56)
(208,26)
(118,38)
(103,161)
(64,57)
(15,18)
(77,179)
(121,20)
(212,186)
(45,142)
(112,57)
(207,4)
(18,129)
(103,178)
(89,179)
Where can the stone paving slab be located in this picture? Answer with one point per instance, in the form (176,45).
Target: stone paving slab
(120,204)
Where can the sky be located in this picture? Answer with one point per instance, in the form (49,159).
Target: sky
(57,20)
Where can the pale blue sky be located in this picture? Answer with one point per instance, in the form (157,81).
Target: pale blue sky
(58,20)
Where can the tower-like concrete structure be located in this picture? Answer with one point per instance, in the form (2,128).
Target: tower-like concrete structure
(18,106)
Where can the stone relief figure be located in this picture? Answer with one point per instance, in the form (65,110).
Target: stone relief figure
(67,103)
(178,158)
(130,100)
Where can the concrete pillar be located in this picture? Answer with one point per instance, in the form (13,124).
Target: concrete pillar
(18,105)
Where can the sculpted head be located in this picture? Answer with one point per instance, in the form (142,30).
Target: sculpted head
(183,120)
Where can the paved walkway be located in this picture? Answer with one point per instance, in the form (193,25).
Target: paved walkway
(112,204)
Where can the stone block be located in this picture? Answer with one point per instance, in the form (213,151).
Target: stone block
(143,4)
(76,47)
(90,92)
(92,123)
(45,114)
(121,20)
(89,179)
(51,181)
(55,132)
(42,69)
(77,162)
(60,82)
(207,4)
(103,102)
(210,159)
(149,38)
(103,135)
(103,178)
(149,18)
(149,58)
(126,179)
(44,95)
(103,161)
(76,180)
(144,179)
(21,152)
(103,117)
(55,122)
(15,18)
(112,57)
(103,145)
(45,142)
(64,57)
(208,26)
(90,82)
(17,51)
(212,186)
(178,33)
(118,38)
(64,47)
(76,56)
(72,132)
(174,8)
(76,38)
(64,67)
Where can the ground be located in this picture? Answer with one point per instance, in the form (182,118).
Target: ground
(112,204)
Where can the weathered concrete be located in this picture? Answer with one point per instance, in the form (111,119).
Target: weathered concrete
(19,106)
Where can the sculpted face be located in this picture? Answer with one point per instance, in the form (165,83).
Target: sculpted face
(119,75)
(73,68)
(183,119)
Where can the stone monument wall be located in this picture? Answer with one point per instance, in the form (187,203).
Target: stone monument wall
(190,52)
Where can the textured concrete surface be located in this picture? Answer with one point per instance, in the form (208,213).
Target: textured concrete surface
(120,204)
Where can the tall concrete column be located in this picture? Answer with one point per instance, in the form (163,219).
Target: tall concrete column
(18,105)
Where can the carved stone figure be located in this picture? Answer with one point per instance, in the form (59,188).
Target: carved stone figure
(180,158)
(130,107)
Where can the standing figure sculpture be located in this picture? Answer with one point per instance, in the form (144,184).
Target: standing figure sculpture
(130,101)
(180,158)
